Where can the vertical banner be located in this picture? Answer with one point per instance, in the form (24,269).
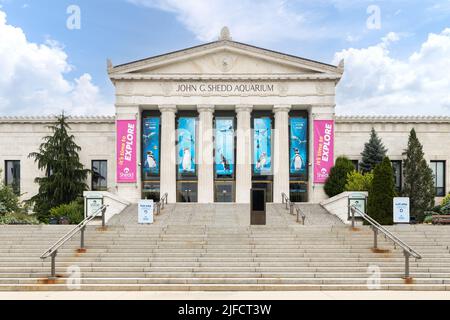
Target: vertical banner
(299,147)
(262,146)
(323,149)
(224,147)
(150,146)
(186,145)
(126,151)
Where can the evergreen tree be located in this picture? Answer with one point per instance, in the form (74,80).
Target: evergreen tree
(382,193)
(337,179)
(419,181)
(373,154)
(65,175)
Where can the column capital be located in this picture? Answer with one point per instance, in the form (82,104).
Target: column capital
(205,108)
(281,108)
(168,108)
(244,108)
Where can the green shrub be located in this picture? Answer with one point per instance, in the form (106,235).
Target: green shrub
(18,218)
(73,211)
(337,179)
(357,181)
(9,201)
(428,219)
(446,200)
(382,193)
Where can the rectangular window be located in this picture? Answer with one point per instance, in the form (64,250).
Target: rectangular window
(99,175)
(356,164)
(438,168)
(12,175)
(187,134)
(397,168)
(224,147)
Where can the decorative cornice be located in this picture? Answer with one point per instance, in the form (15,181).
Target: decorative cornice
(52,118)
(225,77)
(393,119)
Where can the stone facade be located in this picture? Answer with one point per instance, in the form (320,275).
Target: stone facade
(221,76)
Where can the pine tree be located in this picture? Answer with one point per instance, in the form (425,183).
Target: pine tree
(382,193)
(419,181)
(337,179)
(373,154)
(65,175)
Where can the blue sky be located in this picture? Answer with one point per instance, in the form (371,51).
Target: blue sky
(378,57)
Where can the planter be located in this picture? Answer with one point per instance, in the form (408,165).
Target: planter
(53,221)
(64,220)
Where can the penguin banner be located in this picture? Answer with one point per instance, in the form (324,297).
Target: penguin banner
(150,140)
(224,147)
(186,145)
(298,146)
(262,146)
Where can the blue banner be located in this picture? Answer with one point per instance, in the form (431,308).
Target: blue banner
(150,143)
(298,147)
(186,145)
(224,147)
(262,146)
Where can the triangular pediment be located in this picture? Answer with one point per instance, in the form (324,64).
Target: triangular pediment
(224,57)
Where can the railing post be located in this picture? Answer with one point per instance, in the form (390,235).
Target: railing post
(352,210)
(291,208)
(82,238)
(282,198)
(303,220)
(53,265)
(158,209)
(287,204)
(167,198)
(375,237)
(104,217)
(407,254)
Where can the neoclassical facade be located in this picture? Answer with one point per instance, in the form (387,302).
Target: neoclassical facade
(208,123)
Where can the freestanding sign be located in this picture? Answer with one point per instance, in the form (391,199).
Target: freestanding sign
(126,151)
(145,212)
(357,200)
(93,203)
(323,149)
(401,210)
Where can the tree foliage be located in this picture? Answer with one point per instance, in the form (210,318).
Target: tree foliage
(357,181)
(419,182)
(373,153)
(65,175)
(382,193)
(337,179)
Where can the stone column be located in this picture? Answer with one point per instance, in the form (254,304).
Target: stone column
(244,154)
(168,152)
(205,157)
(281,152)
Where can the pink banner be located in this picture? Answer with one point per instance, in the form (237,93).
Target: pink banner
(323,149)
(126,151)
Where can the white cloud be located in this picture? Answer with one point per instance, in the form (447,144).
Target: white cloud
(377,83)
(248,20)
(33,78)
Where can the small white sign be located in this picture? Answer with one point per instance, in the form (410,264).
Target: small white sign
(145,212)
(93,205)
(401,210)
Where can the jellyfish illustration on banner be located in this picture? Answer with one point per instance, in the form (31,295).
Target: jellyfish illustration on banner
(224,147)
(262,142)
(150,141)
(298,147)
(186,145)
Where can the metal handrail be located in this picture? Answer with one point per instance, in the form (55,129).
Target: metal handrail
(376,227)
(291,206)
(53,250)
(160,205)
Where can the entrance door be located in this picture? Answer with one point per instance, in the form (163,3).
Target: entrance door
(187,192)
(224,191)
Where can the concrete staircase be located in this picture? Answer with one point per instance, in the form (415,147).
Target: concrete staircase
(211,247)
